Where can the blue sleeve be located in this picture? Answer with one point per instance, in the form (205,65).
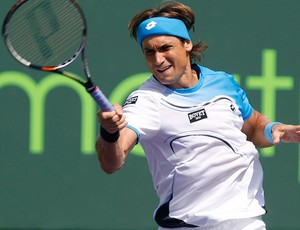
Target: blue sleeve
(242,100)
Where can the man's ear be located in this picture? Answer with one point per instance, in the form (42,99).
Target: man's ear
(188,44)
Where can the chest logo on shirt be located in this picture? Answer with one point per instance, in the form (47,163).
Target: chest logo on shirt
(197,115)
(131,100)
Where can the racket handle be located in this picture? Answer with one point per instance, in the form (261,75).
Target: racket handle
(102,100)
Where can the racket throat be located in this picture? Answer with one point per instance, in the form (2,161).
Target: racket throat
(89,86)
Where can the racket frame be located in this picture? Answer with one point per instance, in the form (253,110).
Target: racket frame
(94,91)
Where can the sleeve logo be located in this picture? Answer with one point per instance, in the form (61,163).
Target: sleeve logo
(131,101)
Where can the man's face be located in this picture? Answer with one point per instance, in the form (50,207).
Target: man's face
(168,59)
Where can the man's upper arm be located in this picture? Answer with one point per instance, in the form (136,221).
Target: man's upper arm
(128,139)
(254,129)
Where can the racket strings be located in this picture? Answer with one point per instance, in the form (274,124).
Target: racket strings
(46,33)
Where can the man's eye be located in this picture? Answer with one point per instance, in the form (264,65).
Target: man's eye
(165,48)
(149,52)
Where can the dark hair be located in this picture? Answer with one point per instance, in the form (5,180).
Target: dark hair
(170,10)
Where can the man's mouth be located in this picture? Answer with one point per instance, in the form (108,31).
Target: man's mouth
(161,70)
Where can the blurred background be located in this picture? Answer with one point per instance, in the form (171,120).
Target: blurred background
(49,174)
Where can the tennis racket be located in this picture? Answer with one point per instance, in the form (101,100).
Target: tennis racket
(49,35)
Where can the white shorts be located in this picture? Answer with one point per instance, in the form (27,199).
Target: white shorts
(254,223)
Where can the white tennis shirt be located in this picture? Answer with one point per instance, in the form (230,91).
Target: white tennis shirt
(203,168)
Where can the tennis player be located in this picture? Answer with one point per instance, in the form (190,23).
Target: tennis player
(197,128)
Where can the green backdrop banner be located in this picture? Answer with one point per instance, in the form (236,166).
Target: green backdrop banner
(49,174)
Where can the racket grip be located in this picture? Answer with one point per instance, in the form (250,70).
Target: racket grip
(102,100)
